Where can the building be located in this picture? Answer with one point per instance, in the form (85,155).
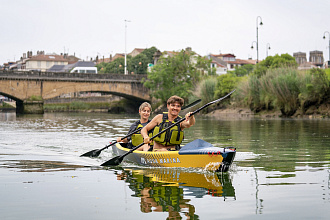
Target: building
(42,62)
(136,52)
(316,59)
(300,57)
(227,62)
(219,65)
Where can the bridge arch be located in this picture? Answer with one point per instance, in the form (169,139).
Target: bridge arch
(21,86)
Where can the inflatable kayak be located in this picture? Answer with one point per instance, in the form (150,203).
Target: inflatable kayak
(196,154)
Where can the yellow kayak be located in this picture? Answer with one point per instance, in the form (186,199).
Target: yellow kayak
(196,154)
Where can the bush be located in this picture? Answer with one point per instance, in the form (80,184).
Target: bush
(314,88)
(225,84)
(207,89)
(280,88)
(285,89)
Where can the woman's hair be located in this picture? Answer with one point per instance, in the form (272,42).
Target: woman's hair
(174,99)
(143,105)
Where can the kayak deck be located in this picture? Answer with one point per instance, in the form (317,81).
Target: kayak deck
(196,154)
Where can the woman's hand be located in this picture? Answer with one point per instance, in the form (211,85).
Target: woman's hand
(146,140)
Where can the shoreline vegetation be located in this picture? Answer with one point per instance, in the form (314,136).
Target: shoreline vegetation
(274,87)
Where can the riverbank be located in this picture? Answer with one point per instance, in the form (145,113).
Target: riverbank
(321,111)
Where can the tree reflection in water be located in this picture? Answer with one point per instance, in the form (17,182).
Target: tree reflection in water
(166,190)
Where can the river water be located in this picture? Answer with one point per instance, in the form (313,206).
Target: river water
(281,171)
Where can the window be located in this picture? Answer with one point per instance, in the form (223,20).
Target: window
(39,63)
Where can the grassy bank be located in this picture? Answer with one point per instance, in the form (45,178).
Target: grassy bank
(290,91)
(122,106)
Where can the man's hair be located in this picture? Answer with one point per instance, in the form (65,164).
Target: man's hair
(174,99)
(143,105)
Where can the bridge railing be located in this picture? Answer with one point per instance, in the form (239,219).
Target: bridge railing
(65,75)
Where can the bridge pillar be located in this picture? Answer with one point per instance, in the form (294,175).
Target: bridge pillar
(30,107)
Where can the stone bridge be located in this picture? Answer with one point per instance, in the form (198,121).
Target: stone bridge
(25,87)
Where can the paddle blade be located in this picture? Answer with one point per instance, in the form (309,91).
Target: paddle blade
(92,153)
(113,162)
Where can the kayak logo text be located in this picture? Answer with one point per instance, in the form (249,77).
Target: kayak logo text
(159,161)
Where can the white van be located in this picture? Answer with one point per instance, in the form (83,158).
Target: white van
(84,70)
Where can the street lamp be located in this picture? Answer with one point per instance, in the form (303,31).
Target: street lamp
(257,37)
(267,48)
(329,43)
(125,69)
(252,45)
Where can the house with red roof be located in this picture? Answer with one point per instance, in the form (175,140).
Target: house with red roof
(42,61)
(227,62)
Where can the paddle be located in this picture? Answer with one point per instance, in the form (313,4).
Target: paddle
(96,152)
(117,160)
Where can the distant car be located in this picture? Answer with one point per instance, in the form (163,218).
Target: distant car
(84,70)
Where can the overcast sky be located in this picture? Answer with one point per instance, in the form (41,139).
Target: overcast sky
(88,28)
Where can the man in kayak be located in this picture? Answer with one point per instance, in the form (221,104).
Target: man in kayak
(136,139)
(172,138)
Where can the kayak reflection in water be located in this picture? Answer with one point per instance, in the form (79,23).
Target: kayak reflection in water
(166,199)
(164,190)
(158,196)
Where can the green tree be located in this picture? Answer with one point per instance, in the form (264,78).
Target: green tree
(137,64)
(225,84)
(243,70)
(173,75)
(273,62)
(115,67)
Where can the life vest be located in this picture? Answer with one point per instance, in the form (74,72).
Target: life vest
(173,136)
(137,138)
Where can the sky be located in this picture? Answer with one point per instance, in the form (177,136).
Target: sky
(90,28)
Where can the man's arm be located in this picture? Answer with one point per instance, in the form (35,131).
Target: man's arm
(190,121)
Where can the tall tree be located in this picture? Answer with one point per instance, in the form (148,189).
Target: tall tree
(174,75)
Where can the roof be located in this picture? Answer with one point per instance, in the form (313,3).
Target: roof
(57,68)
(140,50)
(67,68)
(51,57)
(218,60)
(242,62)
(223,55)
(84,64)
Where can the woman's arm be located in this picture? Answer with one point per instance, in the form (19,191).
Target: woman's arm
(154,122)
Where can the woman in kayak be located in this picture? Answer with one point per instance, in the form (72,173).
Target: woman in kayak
(136,139)
(172,138)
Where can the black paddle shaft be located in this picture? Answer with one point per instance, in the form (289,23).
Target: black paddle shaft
(117,160)
(96,153)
